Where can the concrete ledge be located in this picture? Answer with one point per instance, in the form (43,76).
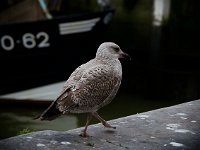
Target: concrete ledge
(176,127)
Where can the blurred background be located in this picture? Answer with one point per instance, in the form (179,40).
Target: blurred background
(42,42)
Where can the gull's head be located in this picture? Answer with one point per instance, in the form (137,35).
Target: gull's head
(110,50)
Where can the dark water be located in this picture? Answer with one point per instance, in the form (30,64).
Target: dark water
(15,118)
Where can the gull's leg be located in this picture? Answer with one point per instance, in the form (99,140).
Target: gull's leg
(96,115)
(83,133)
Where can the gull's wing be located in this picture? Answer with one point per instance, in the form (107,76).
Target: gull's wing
(64,99)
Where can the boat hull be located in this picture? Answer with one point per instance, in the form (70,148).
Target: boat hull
(47,51)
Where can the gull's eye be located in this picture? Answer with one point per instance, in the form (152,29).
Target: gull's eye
(116,49)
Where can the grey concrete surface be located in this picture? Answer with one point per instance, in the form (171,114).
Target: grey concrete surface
(176,127)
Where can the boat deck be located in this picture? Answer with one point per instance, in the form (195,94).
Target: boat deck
(43,93)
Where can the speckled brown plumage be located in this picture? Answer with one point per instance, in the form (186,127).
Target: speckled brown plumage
(91,86)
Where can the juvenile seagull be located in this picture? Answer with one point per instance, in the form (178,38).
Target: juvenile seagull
(90,87)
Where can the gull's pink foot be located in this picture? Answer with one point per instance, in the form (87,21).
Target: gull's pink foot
(108,125)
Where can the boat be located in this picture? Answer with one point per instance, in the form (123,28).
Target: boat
(42,43)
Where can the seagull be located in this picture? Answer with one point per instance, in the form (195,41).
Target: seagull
(90,87)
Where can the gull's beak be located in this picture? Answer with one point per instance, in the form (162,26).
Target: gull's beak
(125,55)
